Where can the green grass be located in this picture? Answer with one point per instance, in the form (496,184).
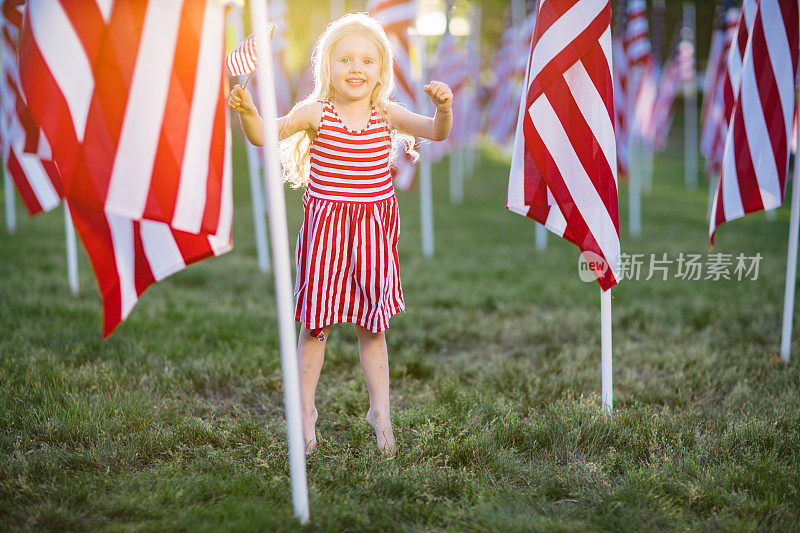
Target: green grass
(176,421)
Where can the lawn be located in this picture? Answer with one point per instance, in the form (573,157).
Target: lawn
(176,421)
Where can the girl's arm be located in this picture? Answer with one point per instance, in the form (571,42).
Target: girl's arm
(436,128)
(303,117)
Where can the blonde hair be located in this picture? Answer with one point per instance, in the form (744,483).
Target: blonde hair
(295,151)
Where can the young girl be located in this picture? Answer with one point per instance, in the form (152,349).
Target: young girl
(339,143)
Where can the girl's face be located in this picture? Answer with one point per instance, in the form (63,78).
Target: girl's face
(355,67)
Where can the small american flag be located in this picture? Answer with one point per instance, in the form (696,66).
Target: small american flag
(244,58)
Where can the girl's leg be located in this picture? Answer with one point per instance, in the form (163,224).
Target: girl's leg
(310,355)
(375,364)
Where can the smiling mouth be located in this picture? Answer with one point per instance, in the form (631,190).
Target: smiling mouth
(356,82)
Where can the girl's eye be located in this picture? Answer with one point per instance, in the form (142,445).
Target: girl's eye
(368,61)
(345,60)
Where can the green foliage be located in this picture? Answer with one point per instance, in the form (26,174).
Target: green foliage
(176,421)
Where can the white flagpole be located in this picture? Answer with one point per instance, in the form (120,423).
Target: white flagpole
(72,250)
(647,168)
(541,237)
(254,171)
(791,265)
(712,191)
(605,349)
(280,255)
(690,107)
(635,188)
(8,186)
(257,197)
(456,175)
(11,207)
(425,193)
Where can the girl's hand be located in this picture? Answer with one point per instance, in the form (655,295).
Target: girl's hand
(240,100)
(440,94)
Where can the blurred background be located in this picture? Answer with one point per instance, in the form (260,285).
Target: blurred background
(307,18)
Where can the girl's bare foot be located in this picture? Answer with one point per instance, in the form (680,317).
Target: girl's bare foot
(310,432)
(383,434)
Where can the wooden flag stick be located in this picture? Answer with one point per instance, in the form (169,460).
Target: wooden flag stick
(280,258)
(248,79)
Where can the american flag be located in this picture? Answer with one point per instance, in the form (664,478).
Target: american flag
(563,173)
(641,65)
(714,121)
(130,95)
(452,66)
(711,78)
(733,76)
(242,59)
(731,79)
(509,74)
(637,41)
(283,90)
(26,152)
(396,16)
(756,156)
(669,85)
(621,83)
(644,101)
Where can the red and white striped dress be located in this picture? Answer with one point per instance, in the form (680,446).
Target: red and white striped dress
(347,267)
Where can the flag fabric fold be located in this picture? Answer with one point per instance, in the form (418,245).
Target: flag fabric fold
(564,167)
(26,152)
(713,116)
(131,96)
(756,154)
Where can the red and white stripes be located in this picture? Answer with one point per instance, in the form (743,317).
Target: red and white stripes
(568,126)
(714,121)
(396,16)
(130,94)
(350,165)
(26,152)
(244,58)
(637,41)
(621,118)
(340,278)
(756,155)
